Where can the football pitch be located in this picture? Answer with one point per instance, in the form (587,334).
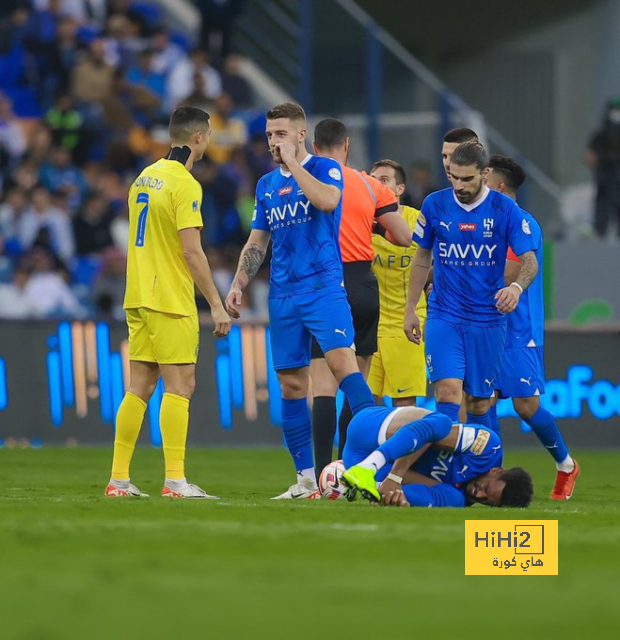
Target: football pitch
(74,564)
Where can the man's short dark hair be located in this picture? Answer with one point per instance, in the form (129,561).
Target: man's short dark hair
(460,135)
(290,110)
(187,120)
(399,172)
(470,153)
(330,133)
(511,172)
(519,488)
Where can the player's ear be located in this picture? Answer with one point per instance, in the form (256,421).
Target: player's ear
(400,189)
(302,134)
(315,149)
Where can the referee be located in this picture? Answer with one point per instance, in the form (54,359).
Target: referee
(365,203)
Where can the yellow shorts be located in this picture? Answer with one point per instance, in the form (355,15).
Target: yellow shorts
(164,338)
(398,368)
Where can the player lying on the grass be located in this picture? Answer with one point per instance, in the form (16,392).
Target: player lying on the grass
(422,459)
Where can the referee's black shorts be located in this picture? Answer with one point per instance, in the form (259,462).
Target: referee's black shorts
(363,294)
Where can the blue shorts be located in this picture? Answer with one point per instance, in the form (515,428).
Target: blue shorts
(522,373)
(367,431)
(470,353)
(324,314)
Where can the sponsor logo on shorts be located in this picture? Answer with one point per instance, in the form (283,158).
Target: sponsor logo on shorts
(480,442)
(285,191)
(468,226)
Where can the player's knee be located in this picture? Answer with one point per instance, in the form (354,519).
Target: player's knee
(342,363)
(183,388)
(293,388)
(143,391)
(526,407)
(477,406)
(448,392)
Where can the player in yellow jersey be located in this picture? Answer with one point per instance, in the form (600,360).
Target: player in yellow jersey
(398,368)
(165,261)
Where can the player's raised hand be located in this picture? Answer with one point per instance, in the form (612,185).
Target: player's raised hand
(222,322)
(412,327)
(507,299)
(233,303)
(287,151)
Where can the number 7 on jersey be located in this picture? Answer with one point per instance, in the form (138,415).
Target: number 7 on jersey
(143,198)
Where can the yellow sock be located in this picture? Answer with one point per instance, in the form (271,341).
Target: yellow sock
(173,421)
(128,422)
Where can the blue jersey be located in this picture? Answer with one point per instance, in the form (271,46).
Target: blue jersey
(477,452)
(306,252)
(469,245)
(526,324)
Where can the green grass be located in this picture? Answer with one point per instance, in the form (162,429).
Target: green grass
(76,565)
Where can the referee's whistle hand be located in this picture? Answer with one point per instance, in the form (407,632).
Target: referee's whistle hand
(233,303)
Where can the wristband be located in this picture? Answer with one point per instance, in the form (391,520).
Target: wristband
(379,229)
(394,478)
(516,284)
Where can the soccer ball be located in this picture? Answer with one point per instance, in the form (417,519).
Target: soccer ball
(330,482)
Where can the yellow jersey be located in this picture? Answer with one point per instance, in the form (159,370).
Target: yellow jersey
(392,266)
(163,199)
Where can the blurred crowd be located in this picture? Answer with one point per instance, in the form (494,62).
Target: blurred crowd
(86,89)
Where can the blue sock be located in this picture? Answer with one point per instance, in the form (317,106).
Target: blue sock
(415,435)
(450,409)
(543,424)
(357,391)
(297,430)
(484,420)
(494,420)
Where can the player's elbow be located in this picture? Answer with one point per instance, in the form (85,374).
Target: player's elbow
(330,200)
(192,254)
(401,238)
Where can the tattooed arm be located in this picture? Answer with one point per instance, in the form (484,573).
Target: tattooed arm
(250,260)
(508,297)
(528,270)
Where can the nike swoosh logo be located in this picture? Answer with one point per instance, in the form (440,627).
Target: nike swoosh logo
(402,390)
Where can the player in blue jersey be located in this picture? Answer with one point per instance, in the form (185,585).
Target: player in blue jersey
(522,372)
(423,459)
(467,230)
(298,206)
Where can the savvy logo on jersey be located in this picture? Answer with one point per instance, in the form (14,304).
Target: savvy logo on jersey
(440,469)
(458,251)
(278,214)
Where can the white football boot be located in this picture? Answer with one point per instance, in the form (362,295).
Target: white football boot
(182,489)
(123,489)
(305,489)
